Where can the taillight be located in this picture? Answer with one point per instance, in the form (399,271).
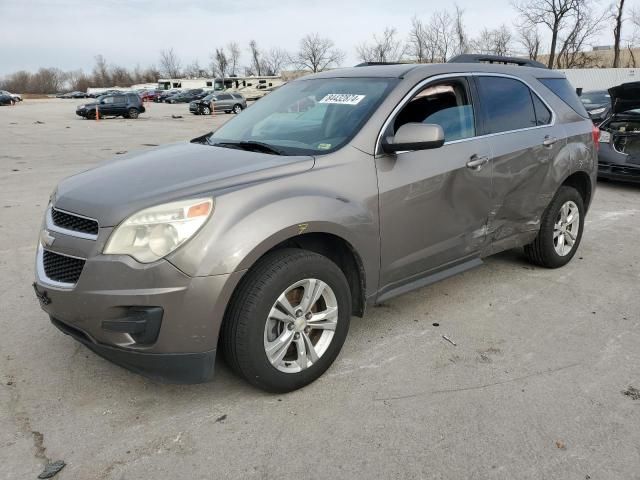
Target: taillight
(595,131)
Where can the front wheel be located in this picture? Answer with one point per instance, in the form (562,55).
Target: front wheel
(132,113)
(288,320)
(206,111)
(560,232)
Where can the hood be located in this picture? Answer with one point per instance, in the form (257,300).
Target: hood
(88,104)
(118,188)
(625,97)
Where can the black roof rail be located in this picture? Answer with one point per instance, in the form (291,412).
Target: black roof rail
(373,64)
(479,58)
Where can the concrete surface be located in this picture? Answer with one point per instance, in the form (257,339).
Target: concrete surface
(533,389)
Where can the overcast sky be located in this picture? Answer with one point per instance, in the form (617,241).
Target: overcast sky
(68,33)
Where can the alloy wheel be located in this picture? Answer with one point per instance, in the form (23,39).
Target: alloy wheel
(566,228)
(300,325)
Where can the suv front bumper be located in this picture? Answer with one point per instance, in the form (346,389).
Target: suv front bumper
(150,318)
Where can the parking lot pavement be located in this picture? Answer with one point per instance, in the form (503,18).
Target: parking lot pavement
(533,389)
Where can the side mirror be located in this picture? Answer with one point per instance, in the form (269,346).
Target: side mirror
(414,136)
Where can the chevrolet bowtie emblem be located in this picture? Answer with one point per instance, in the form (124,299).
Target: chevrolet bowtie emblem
(46,239)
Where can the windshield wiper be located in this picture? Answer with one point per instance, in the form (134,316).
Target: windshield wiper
(251,146)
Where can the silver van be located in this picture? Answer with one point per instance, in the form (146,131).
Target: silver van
(337,191)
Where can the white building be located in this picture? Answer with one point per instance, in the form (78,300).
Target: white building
(600,78)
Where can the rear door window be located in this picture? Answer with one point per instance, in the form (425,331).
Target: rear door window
(563,89)
(507,104)
(224,96)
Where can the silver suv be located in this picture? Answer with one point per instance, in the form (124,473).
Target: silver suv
(335,192)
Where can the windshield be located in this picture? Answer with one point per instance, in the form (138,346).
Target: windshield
(595,98)
(307,117)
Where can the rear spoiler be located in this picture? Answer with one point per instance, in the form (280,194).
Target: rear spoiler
(478,58)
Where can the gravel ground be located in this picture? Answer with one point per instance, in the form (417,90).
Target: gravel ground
(542,383)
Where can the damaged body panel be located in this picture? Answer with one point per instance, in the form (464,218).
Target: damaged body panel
(619,156)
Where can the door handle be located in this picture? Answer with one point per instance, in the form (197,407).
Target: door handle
(476,162)
(549,141)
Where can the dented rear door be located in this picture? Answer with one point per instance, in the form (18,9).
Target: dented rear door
(524,140)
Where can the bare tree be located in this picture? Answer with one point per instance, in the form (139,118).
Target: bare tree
(529,37)
(101,72)
(585,27)
(459,30)
(194,70)
(274,61)
(170,63)
(120,76)
(497,41)
(617,31)
(233,54)
(47,80)
(383,48)
(441,34)
(554,14)
(220,64)
(418,43)
(256,58)
(317,53)
(18,82)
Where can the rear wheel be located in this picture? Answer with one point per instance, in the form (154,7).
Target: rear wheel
(560,232)
(132,113)
(288,320)
(237,108)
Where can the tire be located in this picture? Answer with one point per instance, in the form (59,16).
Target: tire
(206,111)
(549,248)
(253,323)
(91,115)
(133,113)
(237,108)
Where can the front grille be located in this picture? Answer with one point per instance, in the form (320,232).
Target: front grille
(61,268)
(73,222)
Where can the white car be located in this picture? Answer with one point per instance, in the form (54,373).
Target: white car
(16,97)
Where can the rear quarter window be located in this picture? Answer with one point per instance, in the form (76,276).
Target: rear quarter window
(563,89)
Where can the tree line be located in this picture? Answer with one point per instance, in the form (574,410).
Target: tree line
(570,25)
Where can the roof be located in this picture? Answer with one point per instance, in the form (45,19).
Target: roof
(407,70)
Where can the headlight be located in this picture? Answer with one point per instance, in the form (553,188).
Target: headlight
(597,111)
(80,107)
(605,137)
(153,233)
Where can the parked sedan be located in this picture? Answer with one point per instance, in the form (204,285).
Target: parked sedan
(15,96)
(619,155)
(6,100)
(166,94)
(597,103)
(187,97)
(222,102)
(149,95)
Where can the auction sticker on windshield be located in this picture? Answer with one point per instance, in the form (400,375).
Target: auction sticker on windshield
(342,98)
